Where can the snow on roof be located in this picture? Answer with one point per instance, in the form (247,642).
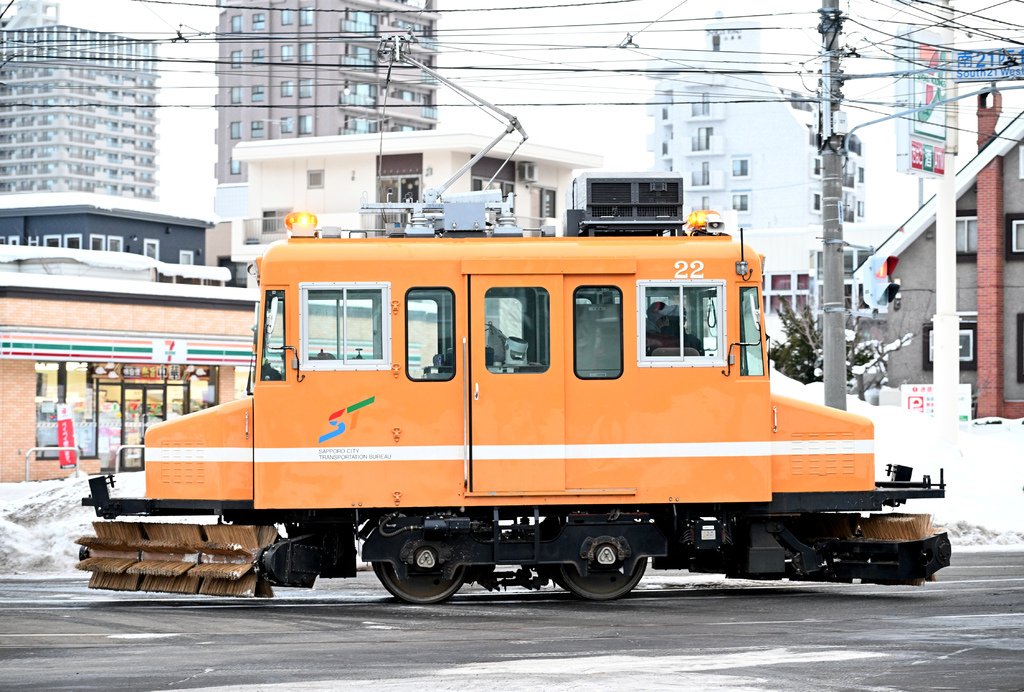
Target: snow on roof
(10,254)
(99,203)
(91,284)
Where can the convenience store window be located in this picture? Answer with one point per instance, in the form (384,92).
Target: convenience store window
(112,404)
(69,383)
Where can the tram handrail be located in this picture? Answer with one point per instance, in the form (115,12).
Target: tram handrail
(28,466)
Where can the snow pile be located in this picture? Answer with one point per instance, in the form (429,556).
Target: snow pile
(984,502)
(39,522)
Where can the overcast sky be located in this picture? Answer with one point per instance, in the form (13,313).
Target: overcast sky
(490,36)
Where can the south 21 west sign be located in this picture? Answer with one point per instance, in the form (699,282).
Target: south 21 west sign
(990,65)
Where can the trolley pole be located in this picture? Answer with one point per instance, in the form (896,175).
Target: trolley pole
(830,145)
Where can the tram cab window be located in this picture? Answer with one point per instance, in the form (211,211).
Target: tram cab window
(681,323)
(752,353)
(272,359)
(597,332)
(517,330)
(345,327)
(430,334)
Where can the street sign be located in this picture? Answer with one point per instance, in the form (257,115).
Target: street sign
(921,135)
(921,398)
(990,65)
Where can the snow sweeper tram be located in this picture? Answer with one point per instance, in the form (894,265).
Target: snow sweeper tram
(502,407)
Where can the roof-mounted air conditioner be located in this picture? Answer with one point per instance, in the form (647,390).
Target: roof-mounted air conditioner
(526,171)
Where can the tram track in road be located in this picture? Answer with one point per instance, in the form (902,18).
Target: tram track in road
(701,589)
(966,630)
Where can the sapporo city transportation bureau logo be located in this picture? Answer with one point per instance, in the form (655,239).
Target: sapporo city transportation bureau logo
(334,420)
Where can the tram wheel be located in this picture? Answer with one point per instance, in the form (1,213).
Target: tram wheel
(601,585)
(419,588)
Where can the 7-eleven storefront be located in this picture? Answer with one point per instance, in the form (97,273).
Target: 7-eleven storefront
(114,383)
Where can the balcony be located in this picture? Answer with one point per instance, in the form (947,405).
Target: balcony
(712,180)
(264,231)
(353,27)
(428,112)
(706,146)
(361,100)
(707,111)
(351,61)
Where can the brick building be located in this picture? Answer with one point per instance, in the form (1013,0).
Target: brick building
(990,272)
(101,332)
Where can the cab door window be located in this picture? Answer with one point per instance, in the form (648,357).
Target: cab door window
(680,323)
(345,326)
(430,334)
(752,353)
(597,332)
(272,358)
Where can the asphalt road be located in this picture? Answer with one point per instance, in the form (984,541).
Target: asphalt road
(676,631)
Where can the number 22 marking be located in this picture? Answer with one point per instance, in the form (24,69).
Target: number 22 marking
(689,270)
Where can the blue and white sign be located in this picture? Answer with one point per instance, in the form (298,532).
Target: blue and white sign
(989,65)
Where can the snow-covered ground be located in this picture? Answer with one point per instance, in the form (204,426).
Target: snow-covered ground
(984,502)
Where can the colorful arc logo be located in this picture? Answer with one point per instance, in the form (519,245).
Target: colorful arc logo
(334,420)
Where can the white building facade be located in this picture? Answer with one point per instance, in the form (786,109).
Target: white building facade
(332,177)
(745,146)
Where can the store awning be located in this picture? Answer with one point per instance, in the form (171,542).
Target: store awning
(40,344)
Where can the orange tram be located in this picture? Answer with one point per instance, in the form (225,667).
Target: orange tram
(510,411)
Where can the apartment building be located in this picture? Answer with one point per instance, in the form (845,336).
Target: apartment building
(744,145)
(78,111)
(308,68)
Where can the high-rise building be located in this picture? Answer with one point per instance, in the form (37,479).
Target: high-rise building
(77,107)
(306,68)
(743,144)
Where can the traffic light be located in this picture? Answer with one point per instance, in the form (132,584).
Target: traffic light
(875,276)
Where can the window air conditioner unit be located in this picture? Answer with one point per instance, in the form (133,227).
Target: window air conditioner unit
(526,171)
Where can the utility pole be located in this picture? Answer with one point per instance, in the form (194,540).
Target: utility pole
(830,144)
(946,322)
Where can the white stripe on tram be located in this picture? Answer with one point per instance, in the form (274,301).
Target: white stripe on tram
(640,450)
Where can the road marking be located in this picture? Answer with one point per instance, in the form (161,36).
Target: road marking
(663,665)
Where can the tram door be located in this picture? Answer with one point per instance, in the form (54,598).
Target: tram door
(143,406)
(516,387)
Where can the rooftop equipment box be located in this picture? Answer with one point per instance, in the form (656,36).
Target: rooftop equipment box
(625,203)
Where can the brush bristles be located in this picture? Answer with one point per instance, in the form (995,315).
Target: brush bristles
(896,527)
(183,584)
(114,582)
(234,539)
(177,538)
(161,568)
(226,570)
(176,558)
(97,543)
(110,565)
(246,586)
(113,535)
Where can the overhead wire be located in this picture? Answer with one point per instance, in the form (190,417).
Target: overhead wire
(549,70)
